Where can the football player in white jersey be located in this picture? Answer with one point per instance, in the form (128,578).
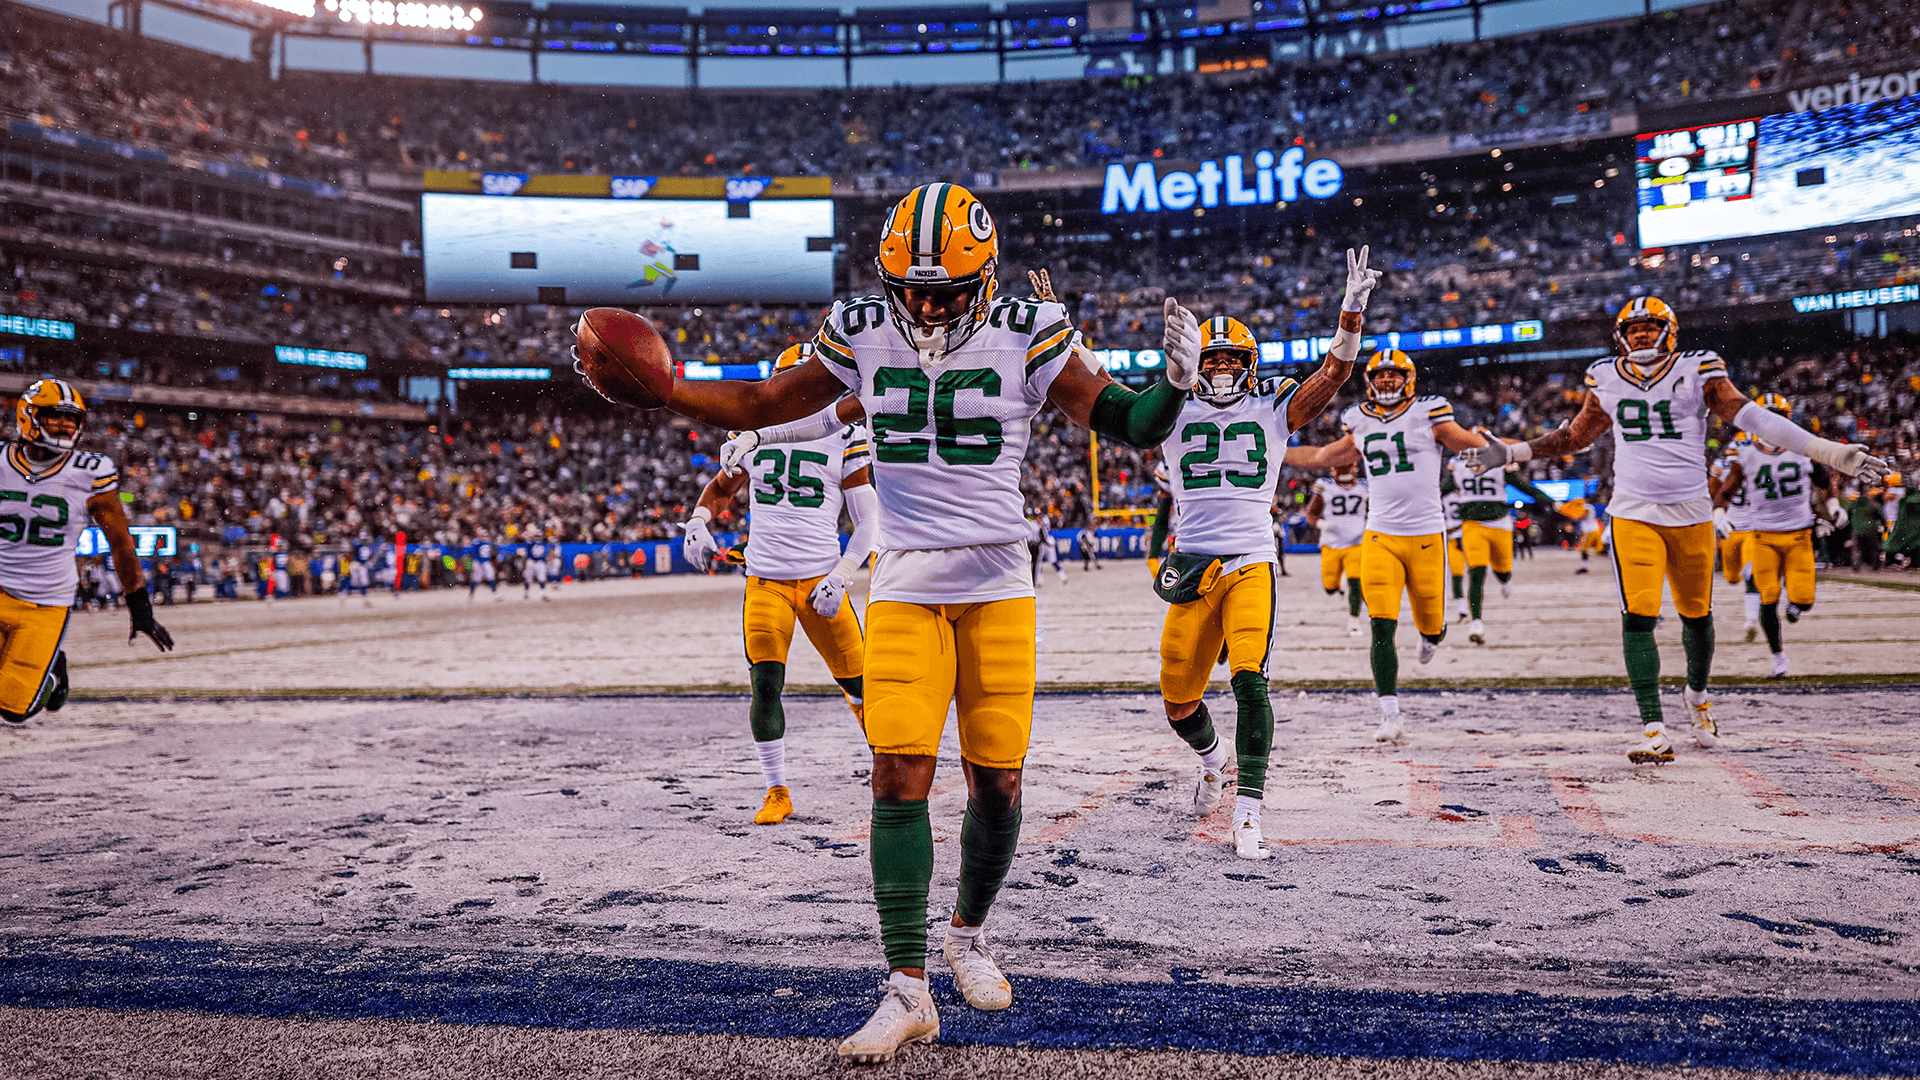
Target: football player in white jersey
(1486,528)
(1733,521)
(1339,510)
(1656,400)
(795,571)
(949,379)
(1219,579)
(56,486)
(1401,438)
(1777,487)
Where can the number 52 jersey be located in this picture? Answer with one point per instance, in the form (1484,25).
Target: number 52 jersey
(41,518)
(1223,466)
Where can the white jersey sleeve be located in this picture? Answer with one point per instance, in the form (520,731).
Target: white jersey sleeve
(42,515)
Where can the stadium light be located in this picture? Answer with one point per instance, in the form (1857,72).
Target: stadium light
(389,13)
(302,8)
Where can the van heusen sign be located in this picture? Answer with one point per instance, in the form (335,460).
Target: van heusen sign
(28,326)
(326,358)
(1859,298)
(1284,178)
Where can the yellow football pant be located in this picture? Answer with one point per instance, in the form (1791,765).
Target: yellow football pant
(1239,610)
(1645,556)
(1594,542)
(767,616)
(1416,565)
(1337,563)
(30,636)
(978,657)
(1733,555)
(1483,545)
(1773,552)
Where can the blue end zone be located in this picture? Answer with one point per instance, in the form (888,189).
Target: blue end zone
(545,990)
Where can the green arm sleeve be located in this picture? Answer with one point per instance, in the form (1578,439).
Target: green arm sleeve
(1157,540)
(1446,482)
(1139,420)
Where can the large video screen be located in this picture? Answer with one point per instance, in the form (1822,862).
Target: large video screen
(493,249)
(1771,174)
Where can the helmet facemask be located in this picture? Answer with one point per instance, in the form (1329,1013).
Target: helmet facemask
(36,433)
(1387,397)
(933,341)
(1226,376)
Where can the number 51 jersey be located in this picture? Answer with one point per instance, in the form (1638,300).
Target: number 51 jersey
(1223,465)
(1659,416)
(1402,462)
(41,518)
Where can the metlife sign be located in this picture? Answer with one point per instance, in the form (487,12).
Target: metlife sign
(1282,178)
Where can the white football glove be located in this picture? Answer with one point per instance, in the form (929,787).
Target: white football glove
(1861,464)
(827,596)
(1182,346)
(1361,281)
(698,546)
(1721,527)
(736,449)
(1822,527)
(1494,455)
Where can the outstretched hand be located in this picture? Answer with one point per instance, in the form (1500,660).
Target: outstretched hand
(1361,280)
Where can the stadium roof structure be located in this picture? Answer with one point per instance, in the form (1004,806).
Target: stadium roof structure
(1092,28)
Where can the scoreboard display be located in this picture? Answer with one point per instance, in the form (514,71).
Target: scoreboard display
(1699,165)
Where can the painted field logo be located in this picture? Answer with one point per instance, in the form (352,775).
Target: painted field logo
(1283,179)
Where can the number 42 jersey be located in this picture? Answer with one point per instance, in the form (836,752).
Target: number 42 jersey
(1659,415)
(1223,466)
(41,518)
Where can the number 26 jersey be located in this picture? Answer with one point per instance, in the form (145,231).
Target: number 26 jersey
(1401,459)
(41,518)
(1659,415)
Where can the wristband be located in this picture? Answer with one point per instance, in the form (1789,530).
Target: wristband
(701,515)
(139,605)
(1520,451)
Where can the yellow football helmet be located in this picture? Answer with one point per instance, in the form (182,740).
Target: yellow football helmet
(939,237)
(1774,403)
(1390,359)
(1648,309)
(1224,336)
(50,397)
(794,355)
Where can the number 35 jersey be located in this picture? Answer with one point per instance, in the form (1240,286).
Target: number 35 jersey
(949,441)
(796,500)
(1223,464)
(41,518)
(1402,462)
(1659,416)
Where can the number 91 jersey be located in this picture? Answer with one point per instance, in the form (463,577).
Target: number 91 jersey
(796,504)
(1223,464)
(1402,463)
(41,518)
(1659,416)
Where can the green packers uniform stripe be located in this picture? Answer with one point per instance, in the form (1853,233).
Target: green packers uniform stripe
(832,347)
(1048,345)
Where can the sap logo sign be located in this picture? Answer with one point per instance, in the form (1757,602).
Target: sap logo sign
(746,190)
(632,187)
(502,183)
(1284,179)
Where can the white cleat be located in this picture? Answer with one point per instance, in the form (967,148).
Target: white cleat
(1506,590)
(975,973)
(1706,730)
(1247,841)
(1208,791)
(1780,665)
(1477,633)
(1461,612)
(1353,626)
(1427,649)
(1654,749)
(1390,729)
(906,1015)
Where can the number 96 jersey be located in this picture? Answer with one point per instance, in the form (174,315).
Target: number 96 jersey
(1402,463)
(1659,416)
(41,518)
(1223,465)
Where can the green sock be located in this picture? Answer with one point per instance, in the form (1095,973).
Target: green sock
(1197,730)
(1386,662)
(766,714)
(1751,587)
(1476,588)
(1253,735)
(986,850)
(854,685)
(1697,636)
(1456,586)
(902,857)
(1502,578)
(1353,597)
(1643,665)
(1770,625)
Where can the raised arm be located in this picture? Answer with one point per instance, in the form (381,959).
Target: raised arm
(788,395)
(1317,392)
(1587,425)
(1094,401)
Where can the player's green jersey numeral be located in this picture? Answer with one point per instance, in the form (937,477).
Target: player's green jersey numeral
(41,531)
(892,440)
(1379,462)
(800,489)
(1780,481)
(1636,420)
(1210,453)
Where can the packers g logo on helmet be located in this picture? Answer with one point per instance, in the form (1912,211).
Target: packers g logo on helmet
(1390,360)
(45,398)
(1647,309)
(939,237)
(794,355)
(1223,336)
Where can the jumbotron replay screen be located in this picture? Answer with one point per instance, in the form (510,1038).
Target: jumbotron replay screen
(1771,174)
(494,249)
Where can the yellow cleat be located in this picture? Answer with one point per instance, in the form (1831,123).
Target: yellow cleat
(775,810)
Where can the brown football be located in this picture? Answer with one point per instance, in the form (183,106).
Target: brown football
(624,358)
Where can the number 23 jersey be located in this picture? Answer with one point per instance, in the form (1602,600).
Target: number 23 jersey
(1223,465)
(1402,462)
(41,518)
(1659,416)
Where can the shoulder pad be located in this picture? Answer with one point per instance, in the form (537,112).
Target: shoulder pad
(1274,386)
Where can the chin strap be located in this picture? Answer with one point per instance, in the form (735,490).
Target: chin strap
(931,344)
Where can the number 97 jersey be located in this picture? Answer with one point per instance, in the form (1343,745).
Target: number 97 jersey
(41,518)
(1659,416)
(1223,465)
